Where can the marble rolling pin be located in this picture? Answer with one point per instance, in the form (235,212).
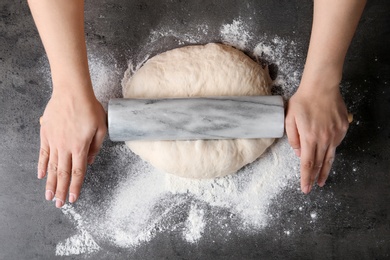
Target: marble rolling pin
(196,118)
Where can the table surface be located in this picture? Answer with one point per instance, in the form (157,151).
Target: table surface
(358,227)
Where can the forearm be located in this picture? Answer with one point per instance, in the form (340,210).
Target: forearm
(334,24)
(61,27)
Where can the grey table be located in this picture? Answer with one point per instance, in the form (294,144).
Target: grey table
(30,228)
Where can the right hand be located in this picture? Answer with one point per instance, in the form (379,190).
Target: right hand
(316,123)
(73,128)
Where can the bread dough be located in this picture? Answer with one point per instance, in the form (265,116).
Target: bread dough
(194,71)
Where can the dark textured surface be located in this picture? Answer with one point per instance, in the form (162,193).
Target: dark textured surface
(356,225)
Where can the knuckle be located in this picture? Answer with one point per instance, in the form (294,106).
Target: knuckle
(77,172)
(311,138)
(79,151)
(43,153)
(318,165)
(344,127)
(294,144)
(325,135)
(52,167)
(41,164)
(63,174)
(330,160)
(308,165)
(341,127)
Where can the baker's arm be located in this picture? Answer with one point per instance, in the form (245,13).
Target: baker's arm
(317,118)
(73,125)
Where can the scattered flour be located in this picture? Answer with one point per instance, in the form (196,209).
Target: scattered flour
(236,34)
(148,202)
(82,242)
(183,38)
(313,215)
(105,77)
(282,53)
(195,224)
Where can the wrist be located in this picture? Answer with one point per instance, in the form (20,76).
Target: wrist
(321,78)
(73,90)
(72,82)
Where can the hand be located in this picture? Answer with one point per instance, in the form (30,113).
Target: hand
(316,123)
(72,131)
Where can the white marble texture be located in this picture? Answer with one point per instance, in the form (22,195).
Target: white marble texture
(196,118)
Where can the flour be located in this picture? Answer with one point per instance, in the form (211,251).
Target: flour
(148,202)
(313,215)
(283,54)
(195,224)
(82,242)
(105,77)
(182,38)
(271,50)
(236,34)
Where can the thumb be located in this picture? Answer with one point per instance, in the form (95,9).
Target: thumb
(96,143)
(293,135)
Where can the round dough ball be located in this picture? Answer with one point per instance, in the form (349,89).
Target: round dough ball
(194,71)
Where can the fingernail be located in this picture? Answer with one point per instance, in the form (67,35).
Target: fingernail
(59,203)
(309,187)
(91,159)
(306,189)
(40,174)
(49,195)
(321,184)
(297,152)
(72,197)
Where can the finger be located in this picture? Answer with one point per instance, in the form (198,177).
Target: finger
(51,182)
(96,144)
(327,165)
(319,160)
(307,165)
(293,135)
(63,177)
(43,160)
(79,166)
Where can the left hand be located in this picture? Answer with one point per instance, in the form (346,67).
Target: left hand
(316,123)
(73,128)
